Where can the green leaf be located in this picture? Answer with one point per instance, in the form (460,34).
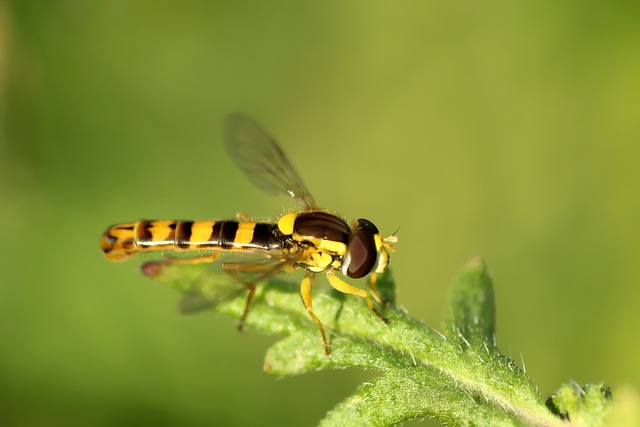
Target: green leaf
(471,319)
(458,379)
(582,405)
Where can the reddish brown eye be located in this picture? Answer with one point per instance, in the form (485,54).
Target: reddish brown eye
(362,253)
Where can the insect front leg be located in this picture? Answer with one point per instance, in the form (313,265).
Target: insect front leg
(342,286)
(305,293)
(372,288)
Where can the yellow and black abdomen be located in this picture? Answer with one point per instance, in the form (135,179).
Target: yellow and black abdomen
(121,241)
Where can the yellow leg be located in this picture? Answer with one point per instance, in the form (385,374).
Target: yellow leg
(305,292)
(372,287)
(234,269)
(154,267)
(252,292)
(197,260)
(346,288)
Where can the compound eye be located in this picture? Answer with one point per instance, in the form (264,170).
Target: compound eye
(362,253)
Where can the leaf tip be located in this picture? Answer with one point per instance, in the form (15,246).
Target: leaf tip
(476,262)
(575,402)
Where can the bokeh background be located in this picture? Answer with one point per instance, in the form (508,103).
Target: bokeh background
(506,129)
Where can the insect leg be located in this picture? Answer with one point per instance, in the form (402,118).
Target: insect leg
(197,260)
(234,269)
(305,292)
(372,287)
(154,267)
(346,288)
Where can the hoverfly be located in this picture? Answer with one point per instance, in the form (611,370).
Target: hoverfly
(313,239)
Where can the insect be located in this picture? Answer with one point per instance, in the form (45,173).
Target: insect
(312,239)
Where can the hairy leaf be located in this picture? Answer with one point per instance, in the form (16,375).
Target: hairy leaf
(459,378)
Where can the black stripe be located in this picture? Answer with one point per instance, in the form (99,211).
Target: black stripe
(171,237)
(183,234)
(111,239)
(262,235)
(142,232)
(127,243)
(228,233)
(214,239)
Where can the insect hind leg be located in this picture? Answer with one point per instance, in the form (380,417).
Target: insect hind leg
(154,267)
(234,269)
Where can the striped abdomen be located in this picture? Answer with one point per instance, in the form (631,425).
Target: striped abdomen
(121,241)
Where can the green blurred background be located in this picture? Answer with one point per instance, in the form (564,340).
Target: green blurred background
(506,129)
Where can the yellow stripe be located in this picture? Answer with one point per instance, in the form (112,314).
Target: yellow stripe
(160,231)
(332,246)
(201,231)
(244,234)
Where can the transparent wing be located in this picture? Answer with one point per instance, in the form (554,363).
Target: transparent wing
(208,292)
(257,153)
(224,281)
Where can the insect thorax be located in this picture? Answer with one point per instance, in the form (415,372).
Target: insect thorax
(322,236)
